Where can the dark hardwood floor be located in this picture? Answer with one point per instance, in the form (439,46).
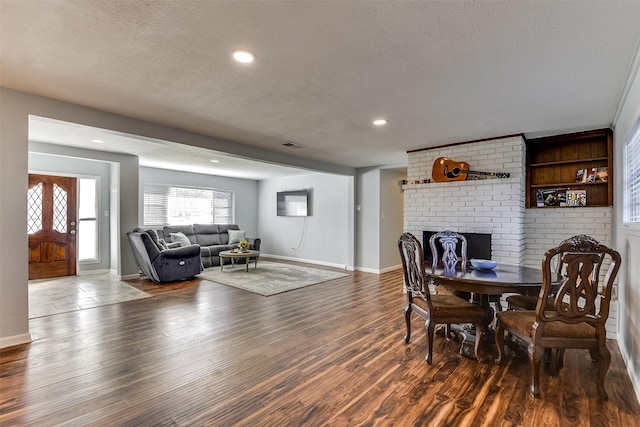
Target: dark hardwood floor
(203,354)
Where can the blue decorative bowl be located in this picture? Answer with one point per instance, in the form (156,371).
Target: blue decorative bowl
(483,264)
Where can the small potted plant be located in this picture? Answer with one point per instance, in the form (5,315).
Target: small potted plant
(244,246)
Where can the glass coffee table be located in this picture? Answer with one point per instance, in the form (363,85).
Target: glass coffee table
(236,254)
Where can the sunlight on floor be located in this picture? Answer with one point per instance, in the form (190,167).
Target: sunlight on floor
(72,293)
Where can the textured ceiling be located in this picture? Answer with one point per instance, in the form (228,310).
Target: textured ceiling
(440,72)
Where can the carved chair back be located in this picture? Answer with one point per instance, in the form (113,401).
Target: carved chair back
(413,266)
(450,256)
(580,297)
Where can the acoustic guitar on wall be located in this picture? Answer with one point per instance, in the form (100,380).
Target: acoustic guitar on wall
(445,170)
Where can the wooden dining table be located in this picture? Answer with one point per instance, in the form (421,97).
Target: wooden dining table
(503,279)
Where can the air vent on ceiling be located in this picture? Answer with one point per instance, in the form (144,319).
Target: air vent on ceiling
(290,144)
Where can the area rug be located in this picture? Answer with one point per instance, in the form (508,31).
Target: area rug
(269,278)
(62,295)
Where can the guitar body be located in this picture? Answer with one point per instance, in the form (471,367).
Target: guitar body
(445,170)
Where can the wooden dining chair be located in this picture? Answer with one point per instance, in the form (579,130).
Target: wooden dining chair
(577,315)
(435,309)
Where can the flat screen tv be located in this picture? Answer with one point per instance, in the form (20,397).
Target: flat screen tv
(293,203)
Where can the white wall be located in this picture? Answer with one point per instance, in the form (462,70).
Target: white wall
(14,307)
(391,217)
(379,213)
(326,236)
(245,192)
(627,239)
(368,219)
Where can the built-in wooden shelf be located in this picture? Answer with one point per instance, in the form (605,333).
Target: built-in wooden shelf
(563,162)
(553,161)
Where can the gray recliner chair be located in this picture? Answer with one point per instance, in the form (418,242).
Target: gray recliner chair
(164,265)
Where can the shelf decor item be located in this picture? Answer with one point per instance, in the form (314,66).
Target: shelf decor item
(602,175)
(576,197)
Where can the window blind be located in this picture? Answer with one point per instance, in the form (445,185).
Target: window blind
(166,204)
(632,178)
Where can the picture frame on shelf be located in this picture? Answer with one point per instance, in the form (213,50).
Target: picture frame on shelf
(576,198)
(602,175)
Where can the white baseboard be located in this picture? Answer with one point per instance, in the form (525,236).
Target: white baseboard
(15,340)
(331,264)
(131,277)
(379,271)
(309,261)
(90,272)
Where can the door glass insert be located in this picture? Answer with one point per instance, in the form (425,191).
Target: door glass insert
(34,209)
(59,209)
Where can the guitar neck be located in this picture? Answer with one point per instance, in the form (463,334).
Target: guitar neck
(487,174)
(479,173)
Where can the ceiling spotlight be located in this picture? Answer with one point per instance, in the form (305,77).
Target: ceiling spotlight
(98,141)
(214,161)
(243,56)
(380,122)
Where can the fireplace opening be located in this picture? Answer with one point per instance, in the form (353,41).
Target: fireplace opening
(478,245)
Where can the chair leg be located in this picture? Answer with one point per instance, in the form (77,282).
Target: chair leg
(535,356)
(407,319)
(559,358)
(604,360)
(429,326)
(499,337)
(479,337)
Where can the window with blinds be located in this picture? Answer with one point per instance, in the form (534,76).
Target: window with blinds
(165,204)
(632,178)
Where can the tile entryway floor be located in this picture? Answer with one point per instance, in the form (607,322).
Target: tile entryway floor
(72,293)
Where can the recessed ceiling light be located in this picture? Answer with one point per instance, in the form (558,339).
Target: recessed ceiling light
(98,141)
(243,56)
(214,161)
(380,122)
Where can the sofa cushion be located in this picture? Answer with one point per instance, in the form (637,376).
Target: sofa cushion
(224,232)
(180,238)
(187,230)
(207,234)
(236,236)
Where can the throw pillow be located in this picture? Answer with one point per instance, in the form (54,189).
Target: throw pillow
(180,238)
(236,236)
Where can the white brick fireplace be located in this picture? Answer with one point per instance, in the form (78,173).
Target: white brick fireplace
(494,205)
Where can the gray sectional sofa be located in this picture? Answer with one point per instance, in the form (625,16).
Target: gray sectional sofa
(211,238)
